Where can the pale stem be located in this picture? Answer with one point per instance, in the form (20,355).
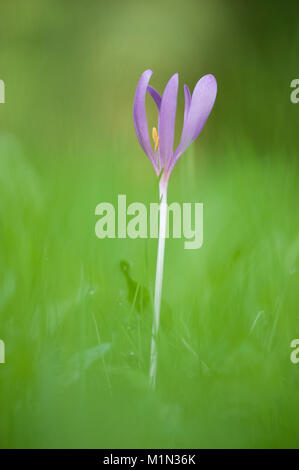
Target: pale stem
(159,281)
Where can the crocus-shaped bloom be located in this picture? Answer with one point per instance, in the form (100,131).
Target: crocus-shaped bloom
(197,109)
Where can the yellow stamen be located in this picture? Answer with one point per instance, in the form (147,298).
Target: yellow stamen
(155,138)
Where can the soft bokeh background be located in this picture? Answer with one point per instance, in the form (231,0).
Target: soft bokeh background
(77,351)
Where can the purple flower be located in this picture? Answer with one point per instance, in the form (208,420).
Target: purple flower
(197,110)
(163,157)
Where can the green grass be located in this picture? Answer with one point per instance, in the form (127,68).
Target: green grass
(77,353)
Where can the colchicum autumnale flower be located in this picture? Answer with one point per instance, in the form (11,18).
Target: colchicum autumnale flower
(163,158)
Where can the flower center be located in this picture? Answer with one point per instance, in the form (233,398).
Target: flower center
(155,138)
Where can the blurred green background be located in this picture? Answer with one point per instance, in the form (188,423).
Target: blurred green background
(77,350)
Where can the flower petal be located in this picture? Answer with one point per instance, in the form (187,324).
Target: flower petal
(157,99)
(139,116)
(187,103)
(167,120)
(202,102)
(155,95)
